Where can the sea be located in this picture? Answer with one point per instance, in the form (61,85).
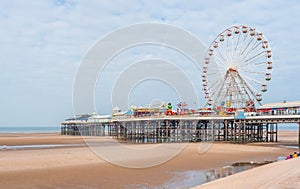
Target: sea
(29,129)
(288,127)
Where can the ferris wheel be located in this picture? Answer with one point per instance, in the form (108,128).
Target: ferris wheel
(237,68)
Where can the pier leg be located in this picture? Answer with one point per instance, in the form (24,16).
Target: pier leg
(267,133)
(299,136)
(213,130)
(225,130)
(276,132)
(244,135)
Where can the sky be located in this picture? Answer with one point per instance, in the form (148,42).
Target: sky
(43,43)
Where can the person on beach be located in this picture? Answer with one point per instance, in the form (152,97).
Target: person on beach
(295,155)
(288,157)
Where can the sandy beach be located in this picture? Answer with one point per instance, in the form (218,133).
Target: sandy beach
(75,165)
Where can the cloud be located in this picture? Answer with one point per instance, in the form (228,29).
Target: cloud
(42,43)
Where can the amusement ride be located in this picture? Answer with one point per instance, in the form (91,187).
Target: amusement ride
(237,69)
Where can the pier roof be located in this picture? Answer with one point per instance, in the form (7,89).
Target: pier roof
(281,105)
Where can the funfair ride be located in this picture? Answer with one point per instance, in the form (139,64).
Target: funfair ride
(236,69)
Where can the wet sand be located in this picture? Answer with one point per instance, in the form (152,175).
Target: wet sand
(79,167)
(282,174)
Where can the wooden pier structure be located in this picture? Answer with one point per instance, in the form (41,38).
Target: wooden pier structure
(184,128)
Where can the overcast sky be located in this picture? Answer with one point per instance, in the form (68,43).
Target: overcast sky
(43,42)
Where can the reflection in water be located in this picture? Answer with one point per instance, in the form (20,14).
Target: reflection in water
(37,146)
(214,174)
(188,179)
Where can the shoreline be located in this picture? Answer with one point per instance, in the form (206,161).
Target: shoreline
(78,167)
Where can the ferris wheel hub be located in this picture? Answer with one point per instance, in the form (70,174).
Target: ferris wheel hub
(232,70)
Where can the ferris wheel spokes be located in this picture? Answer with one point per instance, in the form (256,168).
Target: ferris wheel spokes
(238,65)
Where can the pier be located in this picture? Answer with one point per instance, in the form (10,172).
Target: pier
(160,129)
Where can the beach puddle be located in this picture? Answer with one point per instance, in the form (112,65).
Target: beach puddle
(192,178)
(38,146)
(287,146)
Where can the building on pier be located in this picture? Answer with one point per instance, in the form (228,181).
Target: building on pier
(86,125)
(280,108)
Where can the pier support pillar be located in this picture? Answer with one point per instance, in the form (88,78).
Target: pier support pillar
(299,136)
(225,130)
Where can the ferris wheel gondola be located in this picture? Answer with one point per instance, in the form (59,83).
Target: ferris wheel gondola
(237,68)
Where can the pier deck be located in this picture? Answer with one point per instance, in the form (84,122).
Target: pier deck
(184,128)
